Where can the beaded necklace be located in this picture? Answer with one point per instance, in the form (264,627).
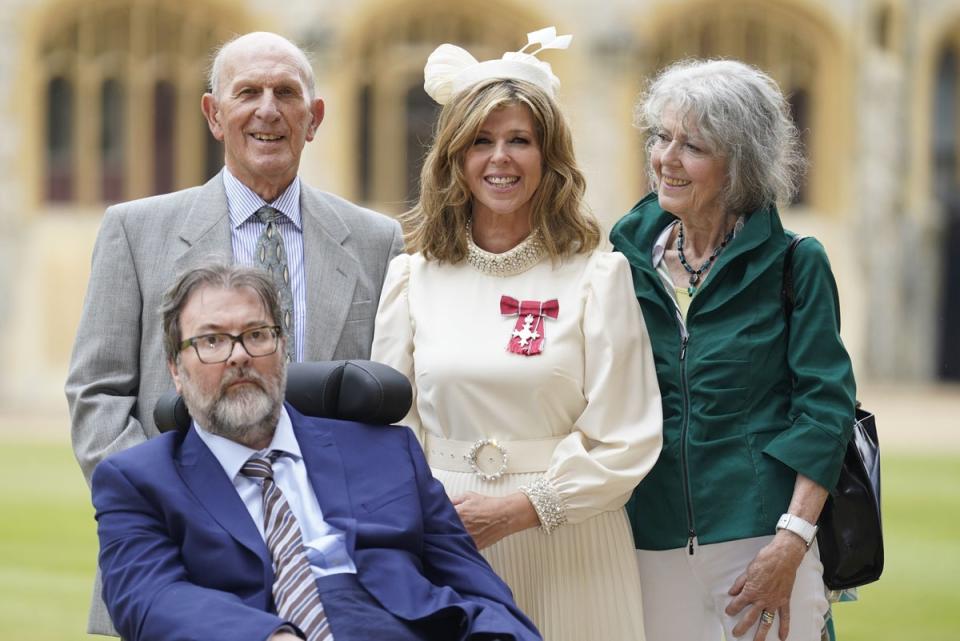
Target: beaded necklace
(528,253)
(695,273)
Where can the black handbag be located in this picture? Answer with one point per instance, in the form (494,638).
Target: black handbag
(850,536)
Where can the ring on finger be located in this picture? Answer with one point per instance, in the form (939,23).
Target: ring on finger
(766,617)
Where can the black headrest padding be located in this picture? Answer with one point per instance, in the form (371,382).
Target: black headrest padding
(170,413)
(354,390)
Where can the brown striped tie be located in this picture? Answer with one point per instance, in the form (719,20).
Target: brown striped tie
(294,588)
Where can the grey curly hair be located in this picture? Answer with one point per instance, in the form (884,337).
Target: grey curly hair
(743,115)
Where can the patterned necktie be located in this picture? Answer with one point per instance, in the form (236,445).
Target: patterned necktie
(294,588)
(272,257)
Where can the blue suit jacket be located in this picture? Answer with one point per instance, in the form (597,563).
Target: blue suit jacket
(181,557)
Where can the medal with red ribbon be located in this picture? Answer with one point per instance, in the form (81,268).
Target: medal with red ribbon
(528,333)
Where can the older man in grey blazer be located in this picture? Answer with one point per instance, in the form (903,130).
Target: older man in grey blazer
(263,107)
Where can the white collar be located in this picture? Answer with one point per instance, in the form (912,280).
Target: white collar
(243,202)
(233,455)
(660,247)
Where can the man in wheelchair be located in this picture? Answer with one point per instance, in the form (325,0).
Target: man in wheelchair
(256,521)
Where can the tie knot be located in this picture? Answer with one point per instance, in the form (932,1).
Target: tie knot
(260,468)
(267,214)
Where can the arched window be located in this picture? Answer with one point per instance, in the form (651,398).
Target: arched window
(365,144)
(394,117)
(945,144)
(164,136)
(800,111)
(883,27)
(422,112)
(112,139)
(945,138)
(213,156)
(59,140)
(143,64)
(783,45)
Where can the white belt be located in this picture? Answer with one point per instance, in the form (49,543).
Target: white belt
(490,458)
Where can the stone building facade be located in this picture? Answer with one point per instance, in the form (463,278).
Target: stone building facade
(102,102)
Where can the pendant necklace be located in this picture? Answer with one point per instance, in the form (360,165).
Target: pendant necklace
(695,273)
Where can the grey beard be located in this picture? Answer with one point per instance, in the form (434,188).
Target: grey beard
(248,416)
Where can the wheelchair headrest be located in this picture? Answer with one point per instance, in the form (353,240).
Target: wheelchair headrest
(354,390)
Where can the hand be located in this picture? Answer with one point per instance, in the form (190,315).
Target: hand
(489,519)
(767,584)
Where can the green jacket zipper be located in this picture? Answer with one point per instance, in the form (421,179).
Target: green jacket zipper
(684,466)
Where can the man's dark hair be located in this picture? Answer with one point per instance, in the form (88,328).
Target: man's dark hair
(222,275)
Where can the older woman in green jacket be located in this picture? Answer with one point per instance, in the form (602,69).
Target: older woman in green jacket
(757,411)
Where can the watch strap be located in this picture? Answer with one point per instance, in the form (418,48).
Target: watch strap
(804,529)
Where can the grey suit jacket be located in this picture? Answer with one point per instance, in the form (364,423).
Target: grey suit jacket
(118,369)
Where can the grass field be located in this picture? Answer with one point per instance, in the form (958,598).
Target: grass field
(48,547)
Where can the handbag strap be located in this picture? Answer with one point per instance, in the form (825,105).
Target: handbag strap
(787,292)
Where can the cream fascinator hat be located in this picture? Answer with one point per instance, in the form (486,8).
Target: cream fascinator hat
(450,69)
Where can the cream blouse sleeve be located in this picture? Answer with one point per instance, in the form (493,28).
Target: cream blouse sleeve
(617,438)
(393,332)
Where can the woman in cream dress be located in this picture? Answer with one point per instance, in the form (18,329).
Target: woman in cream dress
(536,398)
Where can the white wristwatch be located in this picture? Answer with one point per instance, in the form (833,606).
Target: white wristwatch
(805,530)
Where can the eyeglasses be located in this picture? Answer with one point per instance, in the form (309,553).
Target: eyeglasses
(217,348)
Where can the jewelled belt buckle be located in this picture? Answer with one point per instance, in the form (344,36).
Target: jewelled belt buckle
(488,452)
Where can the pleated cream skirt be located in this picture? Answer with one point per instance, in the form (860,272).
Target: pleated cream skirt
(579,583)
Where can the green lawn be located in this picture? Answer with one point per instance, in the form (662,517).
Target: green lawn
(48,546)
(918,598)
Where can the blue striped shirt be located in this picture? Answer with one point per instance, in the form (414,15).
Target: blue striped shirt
(245,230)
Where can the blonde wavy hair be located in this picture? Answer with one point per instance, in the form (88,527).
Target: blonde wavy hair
(436,225)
